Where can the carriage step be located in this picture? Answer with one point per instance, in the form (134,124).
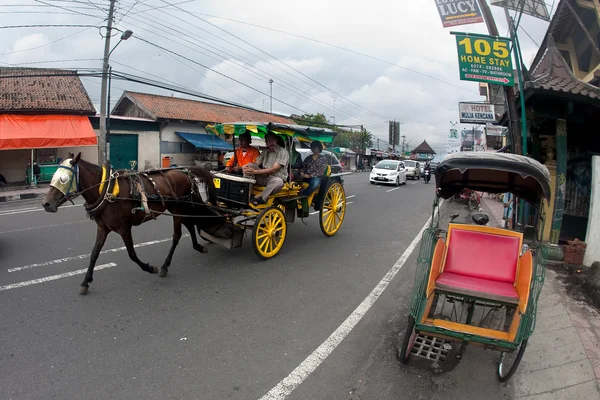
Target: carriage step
(234,242)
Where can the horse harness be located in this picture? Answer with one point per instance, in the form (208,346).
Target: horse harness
(109,190)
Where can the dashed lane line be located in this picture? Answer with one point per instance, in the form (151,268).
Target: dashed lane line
(84,256)
(53,277)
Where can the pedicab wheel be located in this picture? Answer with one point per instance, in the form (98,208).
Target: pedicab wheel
(333,209)
(509,362)
(409,340)
(269,233)
(473,201)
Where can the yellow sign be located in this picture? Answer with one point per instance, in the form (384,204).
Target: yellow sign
(485,59)
(217,182)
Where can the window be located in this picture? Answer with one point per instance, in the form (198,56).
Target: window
(176,147)
(46,156)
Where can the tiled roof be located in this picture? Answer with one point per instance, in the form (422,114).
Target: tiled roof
(552,73)
(174,108)
(27,90)
(424,148)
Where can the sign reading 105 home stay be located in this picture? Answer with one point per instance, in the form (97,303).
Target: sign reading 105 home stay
(484,58)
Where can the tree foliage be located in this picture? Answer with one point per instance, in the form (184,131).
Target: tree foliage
(353,139)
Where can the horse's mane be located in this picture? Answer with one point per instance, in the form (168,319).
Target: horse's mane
(207,178)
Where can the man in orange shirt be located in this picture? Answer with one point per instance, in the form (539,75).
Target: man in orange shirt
(245,154)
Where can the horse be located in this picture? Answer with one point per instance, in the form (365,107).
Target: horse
(119,200)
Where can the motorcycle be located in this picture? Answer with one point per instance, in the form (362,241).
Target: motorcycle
(427,177)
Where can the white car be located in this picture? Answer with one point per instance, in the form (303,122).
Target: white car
(388,171)
(413,169)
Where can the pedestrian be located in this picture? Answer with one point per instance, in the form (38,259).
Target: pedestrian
(36,173)
(508,209)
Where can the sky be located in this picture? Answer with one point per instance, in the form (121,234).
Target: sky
(359,63)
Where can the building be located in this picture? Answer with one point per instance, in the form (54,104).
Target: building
(43,117)
(562,101)
(422,152)
(167,126)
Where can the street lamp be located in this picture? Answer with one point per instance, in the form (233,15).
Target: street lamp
(103,146)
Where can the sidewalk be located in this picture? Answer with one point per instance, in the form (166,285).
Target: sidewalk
(22,193)
(562,360)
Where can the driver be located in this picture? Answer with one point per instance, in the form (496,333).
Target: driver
(245,154)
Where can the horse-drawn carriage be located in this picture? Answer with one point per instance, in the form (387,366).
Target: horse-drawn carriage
(475,283)
(216,204)
(268,221)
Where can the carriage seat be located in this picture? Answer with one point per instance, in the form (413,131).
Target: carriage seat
(481,263)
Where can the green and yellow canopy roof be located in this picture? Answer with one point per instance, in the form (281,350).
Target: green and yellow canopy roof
(260,129)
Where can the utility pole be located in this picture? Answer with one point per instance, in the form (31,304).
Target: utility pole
(509,93)
(271,83)
(103,150)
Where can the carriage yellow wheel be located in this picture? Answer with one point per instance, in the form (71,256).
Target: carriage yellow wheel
(333,209)
(269,233)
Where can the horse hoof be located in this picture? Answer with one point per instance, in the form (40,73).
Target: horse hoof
(162,273)
(83,289)
(153,270)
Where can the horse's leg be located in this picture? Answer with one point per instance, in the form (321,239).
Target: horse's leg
(176,236)
(189,224)
(101,234)
(128,240)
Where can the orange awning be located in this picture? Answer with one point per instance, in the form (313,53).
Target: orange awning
(45,131)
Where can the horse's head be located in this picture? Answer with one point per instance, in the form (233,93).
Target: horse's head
(64,185)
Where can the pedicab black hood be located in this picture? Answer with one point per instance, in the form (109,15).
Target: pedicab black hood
(486,172)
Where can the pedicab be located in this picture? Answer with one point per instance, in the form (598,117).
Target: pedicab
(268,221)
(475,283)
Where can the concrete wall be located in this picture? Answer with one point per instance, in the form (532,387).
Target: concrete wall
(88,153)
(592,252)
(13,164)
(168,135)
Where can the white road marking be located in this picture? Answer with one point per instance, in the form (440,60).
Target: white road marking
(27,210)
(312,362)
(316,212)
(83,256)
(351,196)
(391,190)
(44,226)
(53,277)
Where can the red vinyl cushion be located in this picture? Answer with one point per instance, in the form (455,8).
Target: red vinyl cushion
(477,287)
(482,255)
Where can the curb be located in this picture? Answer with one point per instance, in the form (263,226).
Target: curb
(22,196)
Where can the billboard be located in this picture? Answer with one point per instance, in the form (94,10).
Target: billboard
(496,130)
(476,113)
(458,12)
(453,144)
(535,8)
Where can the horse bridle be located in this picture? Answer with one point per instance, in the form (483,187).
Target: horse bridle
(69,195)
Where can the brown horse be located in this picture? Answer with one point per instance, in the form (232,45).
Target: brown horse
(117,201)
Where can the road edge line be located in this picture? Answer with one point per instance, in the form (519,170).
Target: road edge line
(288,384)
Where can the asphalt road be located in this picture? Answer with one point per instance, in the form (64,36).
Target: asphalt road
(222,325)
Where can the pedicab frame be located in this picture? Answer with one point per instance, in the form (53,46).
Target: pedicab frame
(268,222)
(492,173)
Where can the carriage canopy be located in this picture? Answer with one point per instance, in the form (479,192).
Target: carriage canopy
(493,173)
(301,132)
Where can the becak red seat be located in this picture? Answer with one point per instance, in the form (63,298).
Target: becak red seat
(481,262)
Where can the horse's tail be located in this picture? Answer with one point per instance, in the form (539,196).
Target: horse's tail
(206,177)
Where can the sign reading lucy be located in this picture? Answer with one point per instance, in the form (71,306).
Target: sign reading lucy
(476,113)
(458,12)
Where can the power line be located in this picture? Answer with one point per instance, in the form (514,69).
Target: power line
(67,9)
(217,72)
(237,55)
(286,88)
(44,45)
(48,26)
(280,61)
(331,45)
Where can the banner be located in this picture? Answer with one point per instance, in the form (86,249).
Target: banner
(495,130)
(458,12)
(476,113)
(483,58)
(453,144)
